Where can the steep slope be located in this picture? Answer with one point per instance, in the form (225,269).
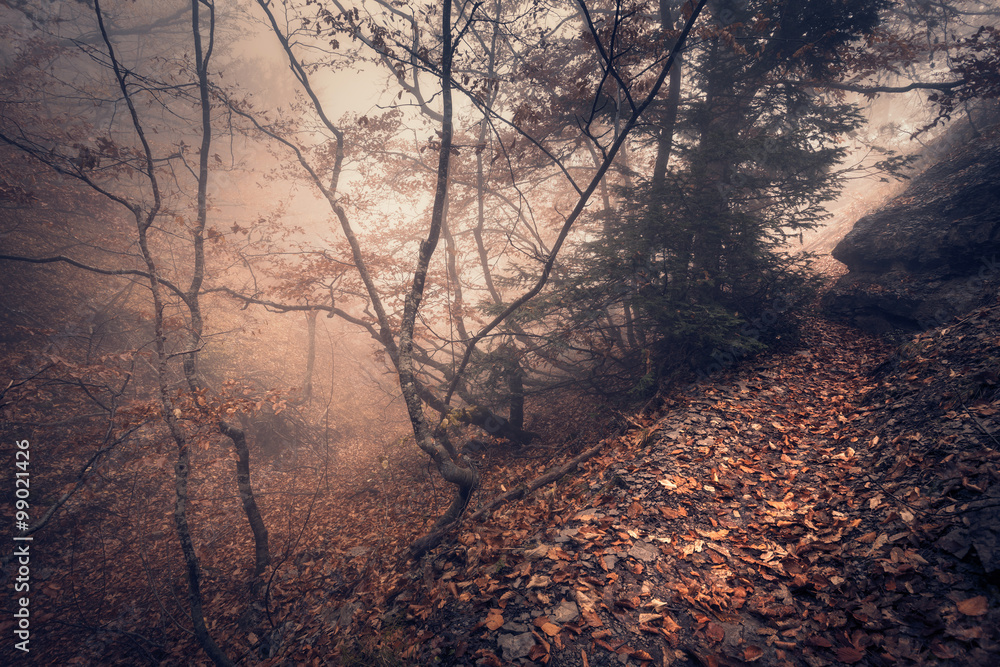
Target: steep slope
(798,511)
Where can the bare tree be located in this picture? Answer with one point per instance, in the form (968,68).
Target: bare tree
(410,60)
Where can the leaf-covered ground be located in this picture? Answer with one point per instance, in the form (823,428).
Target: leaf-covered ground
(830,505)
(836,503)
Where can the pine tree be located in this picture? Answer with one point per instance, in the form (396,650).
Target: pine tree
(744,161)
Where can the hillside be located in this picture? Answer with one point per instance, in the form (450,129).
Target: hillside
(834,502)
(804,510)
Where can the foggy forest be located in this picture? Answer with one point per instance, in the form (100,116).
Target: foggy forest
(500,332)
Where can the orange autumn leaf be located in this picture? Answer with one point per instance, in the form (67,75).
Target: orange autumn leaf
(849,654)
(976,606)
(494,619)
(752,653)
(715,632)
(555,553)
(488,658)
(670,626)
(551,629)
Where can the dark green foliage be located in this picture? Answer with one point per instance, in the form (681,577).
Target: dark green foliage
(692,272)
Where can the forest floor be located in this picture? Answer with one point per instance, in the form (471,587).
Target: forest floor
(838,503)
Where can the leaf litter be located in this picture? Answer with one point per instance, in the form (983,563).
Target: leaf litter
(834,504)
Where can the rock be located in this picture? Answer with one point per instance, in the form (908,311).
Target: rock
(516,646)
(513,626)
(643,551)
(565,612)
(984,531)
(931,253)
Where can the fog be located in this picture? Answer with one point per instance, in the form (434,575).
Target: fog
(300,282)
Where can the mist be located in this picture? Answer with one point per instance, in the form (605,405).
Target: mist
(311,308)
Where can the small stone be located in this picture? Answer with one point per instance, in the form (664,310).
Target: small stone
(956,542)
(516,646)
(565,612)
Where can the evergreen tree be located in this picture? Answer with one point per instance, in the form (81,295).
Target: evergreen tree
(746,160)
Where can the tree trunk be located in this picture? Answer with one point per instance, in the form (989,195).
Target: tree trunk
(307,380)
(515,388)
(464,478)
(665,138)
(262,555)
(193,301)
(181,469)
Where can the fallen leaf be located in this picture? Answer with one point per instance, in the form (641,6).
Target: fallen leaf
(555,553)
(715,632)
(586,602)
(670,625)
(538,552)
(494,619)
(849,654)
(488,658)
(976,606)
